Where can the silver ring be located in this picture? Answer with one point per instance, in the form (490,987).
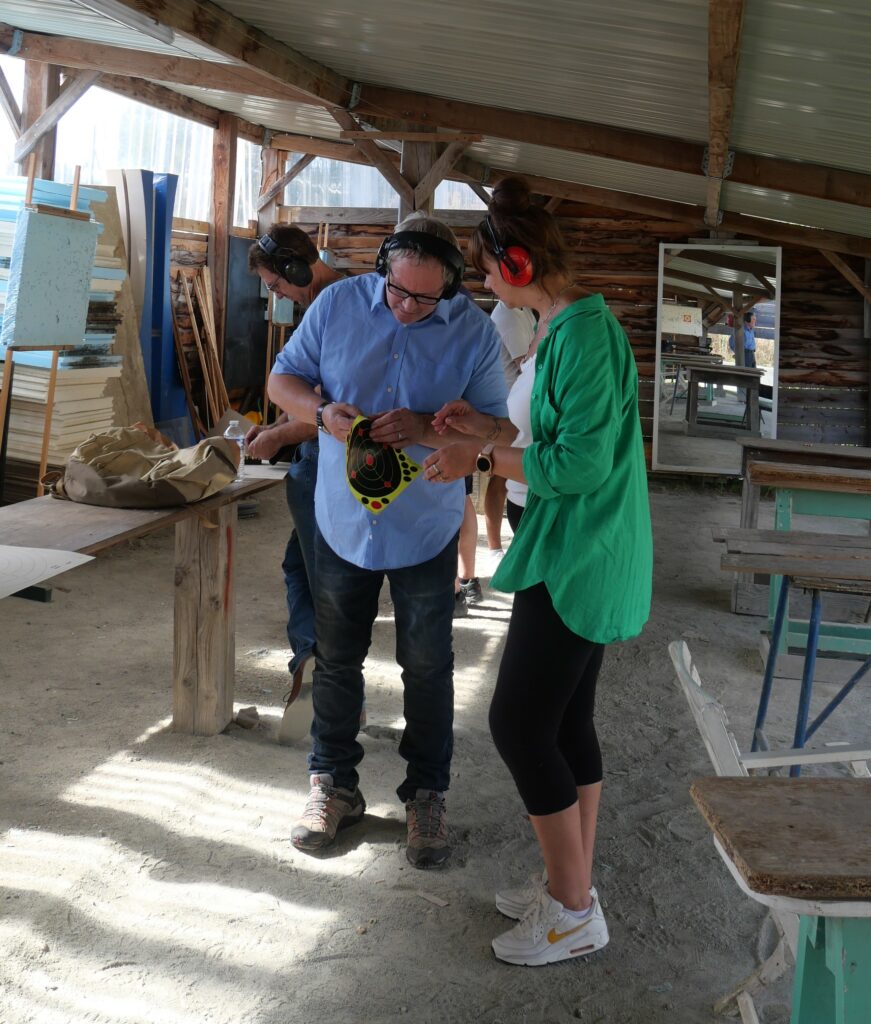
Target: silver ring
(399,436)
(436,470)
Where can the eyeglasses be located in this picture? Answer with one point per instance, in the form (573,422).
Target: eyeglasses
(402,295)
(275,286)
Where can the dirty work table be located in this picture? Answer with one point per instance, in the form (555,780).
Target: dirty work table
(679,361)
(801,846)
(204,618)
(820,563)
(709,424)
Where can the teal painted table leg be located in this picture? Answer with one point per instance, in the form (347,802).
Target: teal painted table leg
(832,972)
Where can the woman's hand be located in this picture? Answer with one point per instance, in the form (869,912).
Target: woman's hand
(398,427)
(460,416)
(452,462)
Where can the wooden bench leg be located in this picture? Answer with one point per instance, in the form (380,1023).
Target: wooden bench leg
(205,648)
(833,972)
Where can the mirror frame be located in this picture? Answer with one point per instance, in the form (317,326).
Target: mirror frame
(733,248)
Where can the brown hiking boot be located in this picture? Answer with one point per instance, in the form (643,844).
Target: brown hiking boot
(327,809)
(427,829)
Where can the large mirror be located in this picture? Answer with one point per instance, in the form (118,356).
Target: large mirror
(716,354)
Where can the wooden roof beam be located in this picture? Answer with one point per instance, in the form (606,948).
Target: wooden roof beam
(377,157)
(281,184)
(725,18)
(641,148)
(848,274)
(9,105)
(73,89)
(712,282)
(156,67)
(206,23)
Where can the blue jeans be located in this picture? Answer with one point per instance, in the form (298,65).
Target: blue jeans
(423,604)
(299,555)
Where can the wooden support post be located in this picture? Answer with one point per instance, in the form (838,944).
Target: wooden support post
(223,187)
(415,163)
(272,163)
(73,90)
(205,612)
(41,88)
(9,105)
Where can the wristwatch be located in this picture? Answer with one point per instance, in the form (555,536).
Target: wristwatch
(484,461)
(319,416)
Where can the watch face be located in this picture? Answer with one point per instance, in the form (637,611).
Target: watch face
(484,463)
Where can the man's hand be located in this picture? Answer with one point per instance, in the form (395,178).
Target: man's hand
(452,462)
(337,418)
(255,431)
(264,443)
(399,428)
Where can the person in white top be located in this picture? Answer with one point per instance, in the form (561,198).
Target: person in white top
(516,328)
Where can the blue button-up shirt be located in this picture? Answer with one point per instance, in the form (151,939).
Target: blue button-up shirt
(351,344)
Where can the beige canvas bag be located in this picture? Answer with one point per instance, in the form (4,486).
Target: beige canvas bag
(132,467)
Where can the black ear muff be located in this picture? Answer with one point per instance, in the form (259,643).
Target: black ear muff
(432,245)
(294,270)
(515,262)
(285,262)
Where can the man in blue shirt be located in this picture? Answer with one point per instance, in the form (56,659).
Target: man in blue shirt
(750,339)
(394,346)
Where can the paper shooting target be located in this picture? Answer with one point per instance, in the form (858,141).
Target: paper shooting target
(377,474)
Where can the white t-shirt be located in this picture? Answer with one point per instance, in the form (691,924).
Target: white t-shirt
(516,328)
(519,400)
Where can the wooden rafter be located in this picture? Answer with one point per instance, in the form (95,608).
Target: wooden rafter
(174,103)
(848,274)
(480,192)
(428,183)
(74,89)
(285,179)
(10,107)
(411,136)
(207,23)
(376,156)
(744,265)
(647,149)
(724,36)
(155,67)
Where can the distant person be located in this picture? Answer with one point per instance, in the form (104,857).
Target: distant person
(750,339)
(288,264)
(580,566)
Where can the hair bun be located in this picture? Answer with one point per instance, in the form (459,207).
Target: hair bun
(510,195)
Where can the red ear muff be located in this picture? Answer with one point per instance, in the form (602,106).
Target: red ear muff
(516,266)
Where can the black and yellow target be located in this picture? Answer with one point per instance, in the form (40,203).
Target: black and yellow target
(377,474)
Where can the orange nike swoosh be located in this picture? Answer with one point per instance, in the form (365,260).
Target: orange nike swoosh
(555,936)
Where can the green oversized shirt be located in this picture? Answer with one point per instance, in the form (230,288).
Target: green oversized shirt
(585,531)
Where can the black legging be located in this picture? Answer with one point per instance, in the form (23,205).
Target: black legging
(541,715)
(514,513)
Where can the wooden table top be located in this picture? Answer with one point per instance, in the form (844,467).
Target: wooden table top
(805,838)
(841,480)
(745,373)
(815,557)
(773,444)
(71,526)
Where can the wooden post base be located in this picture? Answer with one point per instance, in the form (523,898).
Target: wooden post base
(205,649)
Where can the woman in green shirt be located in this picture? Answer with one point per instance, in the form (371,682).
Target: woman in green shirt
(580,565)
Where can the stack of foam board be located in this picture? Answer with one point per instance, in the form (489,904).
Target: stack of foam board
(81,405)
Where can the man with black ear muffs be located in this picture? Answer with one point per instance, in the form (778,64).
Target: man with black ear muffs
(393,346)
(287,262)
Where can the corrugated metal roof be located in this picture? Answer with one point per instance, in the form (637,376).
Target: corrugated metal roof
(65,18)
(558,57)
(804,82)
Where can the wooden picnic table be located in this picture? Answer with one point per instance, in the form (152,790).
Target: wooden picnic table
(204,573)
(800,846)
(746,378)
(749,595)
(822,564)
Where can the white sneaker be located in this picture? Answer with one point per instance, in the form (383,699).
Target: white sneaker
(514,903)
(550,933)
(495,557)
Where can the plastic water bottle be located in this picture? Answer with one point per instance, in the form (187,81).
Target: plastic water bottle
(236,434)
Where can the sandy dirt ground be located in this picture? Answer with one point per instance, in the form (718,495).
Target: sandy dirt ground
(148,878)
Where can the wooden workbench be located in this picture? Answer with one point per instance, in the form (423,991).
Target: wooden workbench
(746,378)
(204,616)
